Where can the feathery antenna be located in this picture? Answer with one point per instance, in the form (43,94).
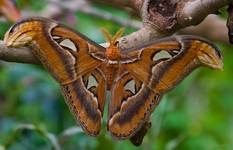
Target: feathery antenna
(112,39)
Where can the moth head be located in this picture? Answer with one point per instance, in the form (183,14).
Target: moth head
(113,40)
(210,56)
(21,34)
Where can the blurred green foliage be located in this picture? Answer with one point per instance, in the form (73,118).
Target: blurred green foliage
(197,114)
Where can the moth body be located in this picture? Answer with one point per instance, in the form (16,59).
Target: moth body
(112,53)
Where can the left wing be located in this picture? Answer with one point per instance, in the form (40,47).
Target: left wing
(160,66)
(86,95)
(72,59)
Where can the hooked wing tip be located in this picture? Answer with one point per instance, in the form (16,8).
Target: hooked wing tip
(207,52)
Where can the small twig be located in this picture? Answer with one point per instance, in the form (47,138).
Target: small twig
(63,137)
(108,16)
(2,147)
(174,143)
(135,5)
(56,8)
(51,137)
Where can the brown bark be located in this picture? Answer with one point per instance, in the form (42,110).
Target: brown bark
(160,18)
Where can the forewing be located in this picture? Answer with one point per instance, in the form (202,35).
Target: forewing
(167,62)
(88,54)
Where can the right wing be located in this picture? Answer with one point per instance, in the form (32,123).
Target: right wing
(153,70)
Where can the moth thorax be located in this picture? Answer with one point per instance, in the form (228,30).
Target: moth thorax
(113,53)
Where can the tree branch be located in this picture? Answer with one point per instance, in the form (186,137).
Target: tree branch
(135,5)
(56,8)
(108,16)
(21,55)
(160,18)
(213,28)
(165,17)
(205,28)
